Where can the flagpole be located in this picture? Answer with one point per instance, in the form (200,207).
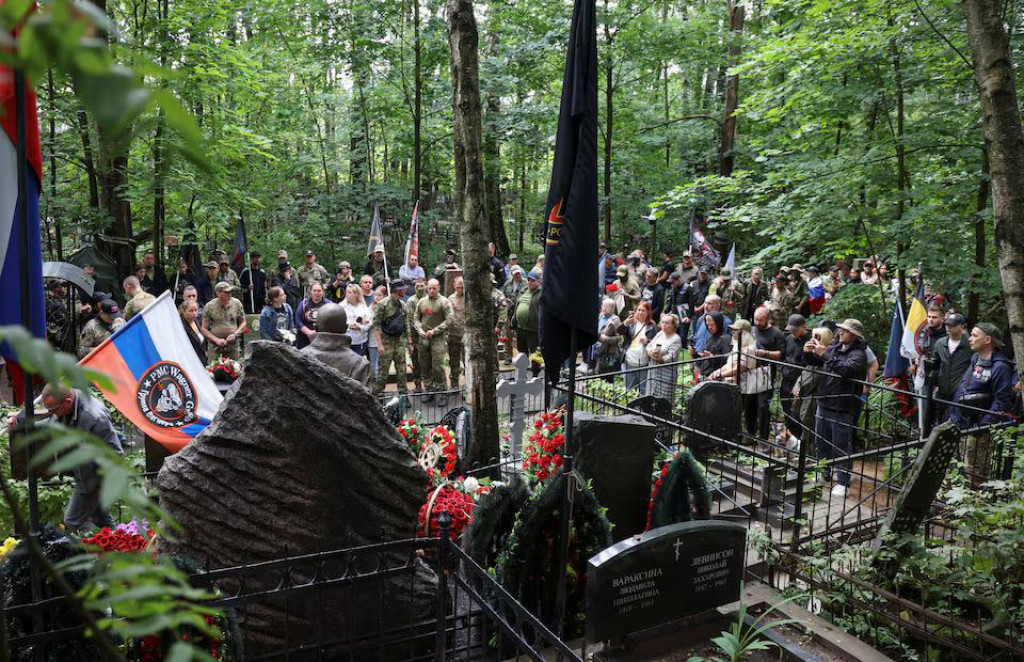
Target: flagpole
(20,98)
(562,552)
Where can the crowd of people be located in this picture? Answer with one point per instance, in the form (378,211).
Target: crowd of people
(754,332)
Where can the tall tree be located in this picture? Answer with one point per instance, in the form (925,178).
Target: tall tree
(474,231)
(994,76)
(726,158)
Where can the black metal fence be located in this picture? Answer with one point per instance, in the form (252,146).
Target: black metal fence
(417,599)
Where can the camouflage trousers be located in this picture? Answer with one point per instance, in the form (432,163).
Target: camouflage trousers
(392,350)
(232,350)
(432,352)
(456,360)
(978,457)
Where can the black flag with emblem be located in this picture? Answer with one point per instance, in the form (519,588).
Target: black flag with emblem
(569,295)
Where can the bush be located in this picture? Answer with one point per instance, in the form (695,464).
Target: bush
(862,302)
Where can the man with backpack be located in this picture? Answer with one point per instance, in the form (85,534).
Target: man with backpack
(389,317)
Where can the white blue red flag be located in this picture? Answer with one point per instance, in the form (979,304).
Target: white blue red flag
(161,384)
(13,266)
(412,244)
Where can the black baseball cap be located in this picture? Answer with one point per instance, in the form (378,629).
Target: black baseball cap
(109,307)
(397,284)
(955,319)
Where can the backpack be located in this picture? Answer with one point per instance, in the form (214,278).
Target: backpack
(395,325)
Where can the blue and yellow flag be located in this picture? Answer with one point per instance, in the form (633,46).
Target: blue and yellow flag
(915,329)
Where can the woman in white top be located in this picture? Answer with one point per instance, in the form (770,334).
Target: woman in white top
(638,329)
(359,319)
(664,348)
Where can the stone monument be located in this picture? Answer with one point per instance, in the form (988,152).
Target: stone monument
(299,459)
(616,453)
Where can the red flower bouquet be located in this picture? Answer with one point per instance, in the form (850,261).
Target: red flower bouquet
(540,455)
(224,370)
(445,499)
(655,488)
(117,540)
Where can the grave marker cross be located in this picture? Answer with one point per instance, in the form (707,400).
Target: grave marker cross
(519,386)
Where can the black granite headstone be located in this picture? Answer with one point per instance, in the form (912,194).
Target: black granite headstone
(617,453)
(662,576)
(714,409)
(656,410)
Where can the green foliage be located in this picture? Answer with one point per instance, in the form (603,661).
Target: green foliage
(742,638)
(865,303)
(125,595)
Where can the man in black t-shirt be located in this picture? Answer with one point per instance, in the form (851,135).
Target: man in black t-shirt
(770,343)
(797,336)
(667,267)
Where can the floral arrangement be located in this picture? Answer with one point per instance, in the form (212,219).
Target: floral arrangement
(153,648)
(540,455)
(445,499)
(123,538)
(434,448)
(224,370)
(8,547)
(657,486)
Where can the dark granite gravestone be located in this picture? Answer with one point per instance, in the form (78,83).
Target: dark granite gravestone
(616,453)
(662,576)
(712,408)
(459,422)
(656,410)
(299,459)
(918,494)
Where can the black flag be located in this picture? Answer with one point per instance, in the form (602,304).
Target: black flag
(568,299)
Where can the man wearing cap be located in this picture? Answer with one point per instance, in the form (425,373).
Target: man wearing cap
(286,279)
(513,289)
(700,288)
(311,272)
(985,396)
(687,269)
(868,275)
(205,285)
(513,261)
(332,347)
(845,361)
(432,318)
(781,303)
(412,271)
(951,357)
(626,292)
(226,274)
(253,280)
(339,284)
(376,266)
(449,263)
(389,317)
(526,318)
(100,327)
(223,324)
(137,297)
(797,336)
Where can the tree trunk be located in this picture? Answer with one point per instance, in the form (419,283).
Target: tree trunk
(994,76)
(980,243)
(87,157)
(159,163)
(481,350)
(492,164)
(726,160)
(417,112)
(902,176)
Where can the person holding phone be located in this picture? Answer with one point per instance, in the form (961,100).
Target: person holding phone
(359,321)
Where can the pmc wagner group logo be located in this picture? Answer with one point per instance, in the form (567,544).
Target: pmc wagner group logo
(166,396)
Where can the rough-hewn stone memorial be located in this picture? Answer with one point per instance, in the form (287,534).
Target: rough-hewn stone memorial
(299,459)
